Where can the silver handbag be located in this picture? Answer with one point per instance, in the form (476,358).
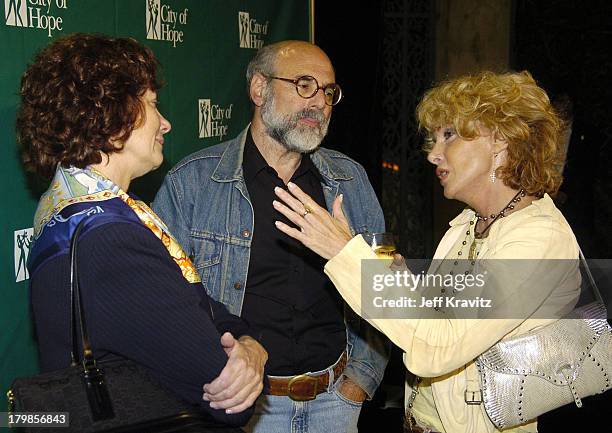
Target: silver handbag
(531,374)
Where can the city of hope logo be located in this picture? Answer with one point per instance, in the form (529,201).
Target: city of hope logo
(251,32)
(36,14)
(161,21)
(23,241)
(213,119)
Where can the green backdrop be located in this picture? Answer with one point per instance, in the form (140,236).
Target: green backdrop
(203,46)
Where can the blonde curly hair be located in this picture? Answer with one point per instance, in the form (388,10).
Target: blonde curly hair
(514,108)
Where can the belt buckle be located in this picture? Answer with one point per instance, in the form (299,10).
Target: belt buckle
(473,397)
(298,379)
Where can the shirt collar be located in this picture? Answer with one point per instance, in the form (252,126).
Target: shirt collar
(253,161)
(463,218)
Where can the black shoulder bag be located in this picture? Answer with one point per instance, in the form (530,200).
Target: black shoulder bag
(108,396)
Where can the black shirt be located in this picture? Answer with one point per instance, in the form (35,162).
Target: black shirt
(290,303)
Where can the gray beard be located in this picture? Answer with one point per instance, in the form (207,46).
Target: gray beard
(285,128)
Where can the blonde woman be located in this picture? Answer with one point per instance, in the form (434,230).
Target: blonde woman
(495,142)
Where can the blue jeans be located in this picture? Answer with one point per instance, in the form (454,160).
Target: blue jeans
(330,412)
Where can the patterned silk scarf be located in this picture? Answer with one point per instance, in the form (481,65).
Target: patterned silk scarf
(74,185)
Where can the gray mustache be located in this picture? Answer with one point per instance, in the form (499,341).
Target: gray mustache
(312,113)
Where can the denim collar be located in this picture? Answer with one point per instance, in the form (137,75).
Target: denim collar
(229,167)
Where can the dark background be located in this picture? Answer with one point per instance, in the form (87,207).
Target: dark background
(383,54)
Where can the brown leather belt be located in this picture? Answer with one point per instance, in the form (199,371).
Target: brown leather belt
(304,387)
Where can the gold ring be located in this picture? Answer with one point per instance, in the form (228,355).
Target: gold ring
(307,210)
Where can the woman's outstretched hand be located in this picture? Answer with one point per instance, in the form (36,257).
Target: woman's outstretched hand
(323,233)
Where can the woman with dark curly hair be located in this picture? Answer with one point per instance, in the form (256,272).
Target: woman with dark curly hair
(89,120)
(495,142)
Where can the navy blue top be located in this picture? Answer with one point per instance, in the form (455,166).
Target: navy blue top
(138,306)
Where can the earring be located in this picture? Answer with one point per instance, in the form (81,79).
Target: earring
(493,175)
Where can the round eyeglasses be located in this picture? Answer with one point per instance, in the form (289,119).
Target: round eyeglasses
(307,87)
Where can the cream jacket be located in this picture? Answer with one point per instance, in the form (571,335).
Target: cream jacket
(445,349)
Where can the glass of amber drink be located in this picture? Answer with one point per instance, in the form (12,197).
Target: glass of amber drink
(383,244)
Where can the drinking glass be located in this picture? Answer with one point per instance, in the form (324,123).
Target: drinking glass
(383,244)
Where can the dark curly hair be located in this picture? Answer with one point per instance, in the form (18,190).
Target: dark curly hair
(80,98)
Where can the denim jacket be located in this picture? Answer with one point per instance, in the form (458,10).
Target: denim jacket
(205,203)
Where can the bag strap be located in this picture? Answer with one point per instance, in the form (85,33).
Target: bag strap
(73,330)
(78,319)
(95,385)
(587,270)
(74,358)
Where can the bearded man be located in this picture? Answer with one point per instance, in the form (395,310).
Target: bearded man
(322,363)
